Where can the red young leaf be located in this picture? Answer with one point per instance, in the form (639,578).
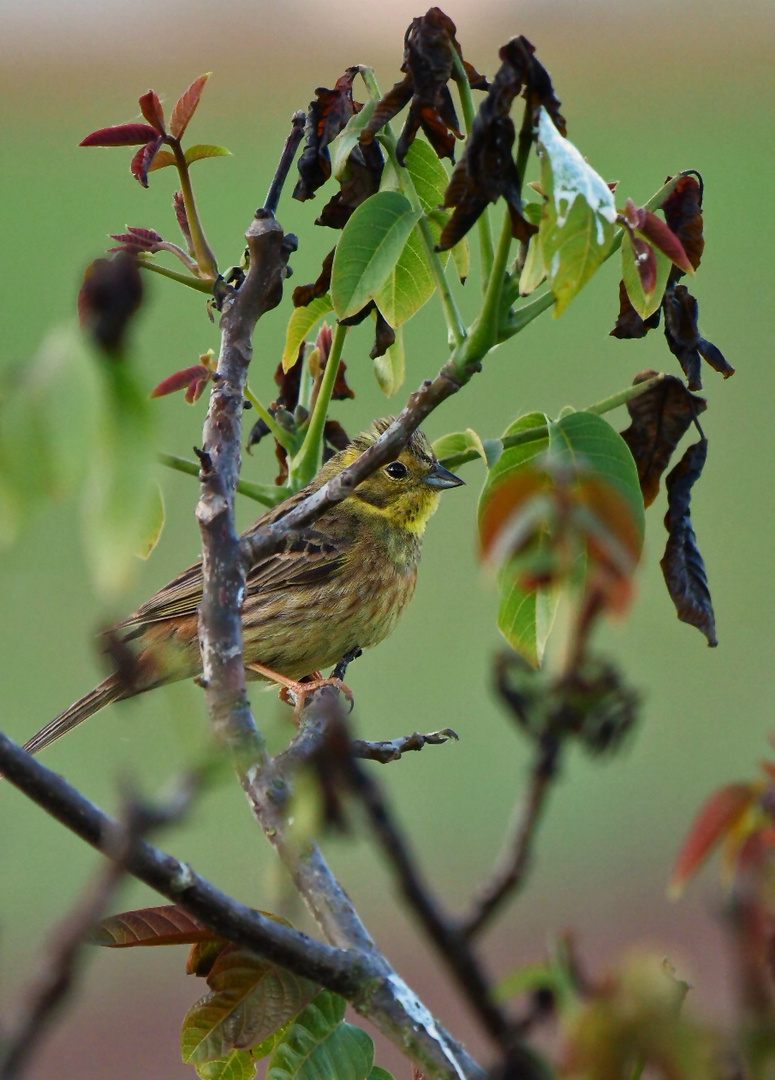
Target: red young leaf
(166,925)
(660,419)
(188,377)
(718,816)
(682,564)
(150,106)
(143,160)
(179,206)
(122,135)
(665,239)
(196,389)
(136,240)
(186,106)
(683,213)
(645,264)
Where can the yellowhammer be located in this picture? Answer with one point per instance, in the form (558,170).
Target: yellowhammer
(336,587)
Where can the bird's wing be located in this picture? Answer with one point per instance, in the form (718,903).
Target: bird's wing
(308,557)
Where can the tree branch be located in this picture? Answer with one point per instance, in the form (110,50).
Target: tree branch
(364,978)
(391,750)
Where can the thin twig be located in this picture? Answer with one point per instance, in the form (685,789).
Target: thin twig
(392,749)
(364,978)
(63,957)
(272,200)
(508,877)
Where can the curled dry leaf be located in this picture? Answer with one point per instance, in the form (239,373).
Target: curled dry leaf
(683,213)
(327,115)
(684,339)
(487,169)
(629,323)
(682,564)
(659,420)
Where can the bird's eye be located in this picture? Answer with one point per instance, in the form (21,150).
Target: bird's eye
(396,470)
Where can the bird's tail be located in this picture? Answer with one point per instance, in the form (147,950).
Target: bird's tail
(102,695)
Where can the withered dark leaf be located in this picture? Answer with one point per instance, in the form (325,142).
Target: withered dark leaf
(683,214)
(288,383)
(362,178)
(327,116)
(685,340)
(429,48)
(682,564)
(111,293)
(341,391)
(305,294)
(487,169)
(629,324)
(385,336)
(335,435)
(660,418)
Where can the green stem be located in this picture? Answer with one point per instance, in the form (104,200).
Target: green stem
(485,331)
(266,494)
(306,463)
(484,225)
(205,258)
(455,324)
(525,315)
(184,279)
(285,438)
(527,435)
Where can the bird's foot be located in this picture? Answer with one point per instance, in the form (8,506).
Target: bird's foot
(295,692)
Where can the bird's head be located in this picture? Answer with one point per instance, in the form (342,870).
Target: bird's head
(405,492)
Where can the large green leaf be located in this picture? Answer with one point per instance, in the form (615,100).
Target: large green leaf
(583,438)
(524,618)
(299,325)
(577,223)
(250,1000)
(368,250)
(319,1046)
(238,1065)
(411,283)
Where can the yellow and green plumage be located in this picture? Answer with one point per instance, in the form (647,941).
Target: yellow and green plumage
(339,585)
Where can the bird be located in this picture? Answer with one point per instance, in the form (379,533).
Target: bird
(334,589)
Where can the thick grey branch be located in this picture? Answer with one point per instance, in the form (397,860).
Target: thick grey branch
(366,980)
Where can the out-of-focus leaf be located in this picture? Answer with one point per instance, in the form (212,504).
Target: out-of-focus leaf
(300,323)
(49,418)
(165,925)
(659,420)
(121,135)
(319,1046)
(111,294)
(119,502)
(186,105)
(685,340)
(370,245)
(682,564)
(577,224)
(718,817)
(238,1065)
(378,1073)
(250,999)
(156,525)
(390,369)
(203,955)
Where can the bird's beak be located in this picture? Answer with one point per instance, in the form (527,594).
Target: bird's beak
(439,477)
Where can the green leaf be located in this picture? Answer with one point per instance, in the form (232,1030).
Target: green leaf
(369,248)
(238,1065)
(319,1046)
(119,505)
(49,417)
(585,437)
(524,618)
(644,305)
(459,443)
(345,142)
(378,1073)
(577,223)
(534,270)
(411,282)
(390,369)
(163,160)
(155,524)
(205,150)
(251,999)
(461,256)
(299,325)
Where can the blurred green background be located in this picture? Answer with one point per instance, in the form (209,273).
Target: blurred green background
(646,92)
